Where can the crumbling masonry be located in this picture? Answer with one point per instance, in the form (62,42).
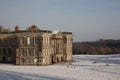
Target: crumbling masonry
(35,47)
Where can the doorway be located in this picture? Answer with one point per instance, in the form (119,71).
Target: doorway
(52,60)
(3,59)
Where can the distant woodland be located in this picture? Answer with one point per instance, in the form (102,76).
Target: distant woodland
(100,47)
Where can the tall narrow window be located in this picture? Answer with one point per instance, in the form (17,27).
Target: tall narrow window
(28,52)
(48,40)
(28,60)
(22,61)
(35,60)
(28,40)
(4,52)
(35,51)
(21,41)
(0,51)
(43,40)
(9,52)
(21,52)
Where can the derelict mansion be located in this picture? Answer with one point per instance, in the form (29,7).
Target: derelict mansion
(35,47)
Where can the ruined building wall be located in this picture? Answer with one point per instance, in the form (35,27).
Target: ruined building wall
(35,47)
(7,48)
(29,49)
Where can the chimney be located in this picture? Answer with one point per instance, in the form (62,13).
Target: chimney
(33,28)
(17,28)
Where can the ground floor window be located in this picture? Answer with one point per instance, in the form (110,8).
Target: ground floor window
(22,61)
(28,60)
(9,50)
(9,59)
(35,60)
(0,51)
(21,52)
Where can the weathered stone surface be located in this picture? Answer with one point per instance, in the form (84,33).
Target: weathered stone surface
(41,47)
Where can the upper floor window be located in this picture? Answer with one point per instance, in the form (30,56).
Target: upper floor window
(48,39)
(21,41)
(28,40)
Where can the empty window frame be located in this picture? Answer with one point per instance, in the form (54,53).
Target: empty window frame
(9,52)
(28,40)
(21,60)
(21,50)
(35,51)
(28,51)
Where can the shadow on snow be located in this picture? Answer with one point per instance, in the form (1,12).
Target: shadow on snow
(9,75)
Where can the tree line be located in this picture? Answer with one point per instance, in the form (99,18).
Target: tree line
(100,47)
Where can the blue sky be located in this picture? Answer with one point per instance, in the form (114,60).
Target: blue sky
(89,20)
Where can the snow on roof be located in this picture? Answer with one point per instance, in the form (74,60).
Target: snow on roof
(55,31)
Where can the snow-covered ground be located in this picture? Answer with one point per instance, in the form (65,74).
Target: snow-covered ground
(84,67)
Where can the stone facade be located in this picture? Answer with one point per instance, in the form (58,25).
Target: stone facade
(35,47)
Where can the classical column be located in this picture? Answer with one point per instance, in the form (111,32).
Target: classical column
(48,40)
(55,46)
(59,45)
(43,40)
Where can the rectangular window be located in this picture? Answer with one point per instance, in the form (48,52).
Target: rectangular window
(28,52)
(35,60)
(43,40)
(43,61)
(4,52)
(21,41)
(9,50)
(0,51)
(21,52)
(22,61)
(28,40)
(48,41)
(35,51)
(28,60)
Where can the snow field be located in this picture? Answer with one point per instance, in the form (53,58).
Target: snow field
(84,67)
